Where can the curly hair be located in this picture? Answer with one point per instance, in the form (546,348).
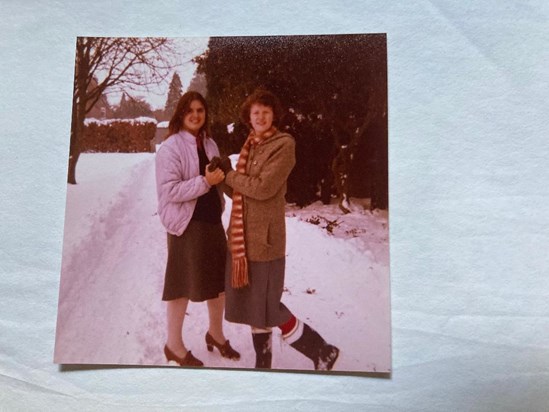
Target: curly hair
(266,98)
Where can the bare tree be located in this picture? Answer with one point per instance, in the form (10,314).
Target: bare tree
(118,64)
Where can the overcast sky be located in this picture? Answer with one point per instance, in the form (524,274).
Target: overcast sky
(187,47)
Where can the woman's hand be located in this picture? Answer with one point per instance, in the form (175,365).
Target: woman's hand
(214,177)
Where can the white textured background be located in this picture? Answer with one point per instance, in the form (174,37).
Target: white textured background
(469,181)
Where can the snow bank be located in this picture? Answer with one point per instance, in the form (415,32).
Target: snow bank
(114,256)
(137,120)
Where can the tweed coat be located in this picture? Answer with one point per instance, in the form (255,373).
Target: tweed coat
(264,188)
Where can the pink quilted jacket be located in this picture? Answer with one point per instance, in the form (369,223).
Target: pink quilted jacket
(178,180)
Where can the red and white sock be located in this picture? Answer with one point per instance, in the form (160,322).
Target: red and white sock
(291,330)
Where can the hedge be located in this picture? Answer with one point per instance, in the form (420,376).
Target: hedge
(118,135)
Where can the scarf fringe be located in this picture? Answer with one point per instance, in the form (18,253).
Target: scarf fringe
(240,272)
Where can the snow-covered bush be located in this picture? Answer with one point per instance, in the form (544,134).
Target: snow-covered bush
(118,135)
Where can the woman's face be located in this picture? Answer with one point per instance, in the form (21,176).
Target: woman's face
(261,118)
(194,119)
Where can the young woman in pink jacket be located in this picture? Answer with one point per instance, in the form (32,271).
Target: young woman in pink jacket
(190,205)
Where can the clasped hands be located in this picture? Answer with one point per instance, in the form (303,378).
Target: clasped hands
(217,169)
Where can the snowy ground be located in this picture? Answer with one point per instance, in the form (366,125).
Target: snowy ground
(114,252)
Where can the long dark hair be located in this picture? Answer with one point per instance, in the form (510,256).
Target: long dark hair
(266,98)
(182,108)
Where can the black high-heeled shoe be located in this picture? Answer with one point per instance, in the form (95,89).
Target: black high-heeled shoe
(188,360)
(225,350)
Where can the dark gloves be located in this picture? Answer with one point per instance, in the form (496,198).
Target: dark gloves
(225,164)
(214,163)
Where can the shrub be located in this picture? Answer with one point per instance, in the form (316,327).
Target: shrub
(118,135)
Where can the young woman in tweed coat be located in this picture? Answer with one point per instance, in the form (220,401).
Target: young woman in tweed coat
(254,278)
(190,206)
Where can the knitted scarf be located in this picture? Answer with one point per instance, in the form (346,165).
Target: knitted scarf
(238,240)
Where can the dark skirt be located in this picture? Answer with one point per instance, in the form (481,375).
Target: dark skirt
(257,304)
(196,263)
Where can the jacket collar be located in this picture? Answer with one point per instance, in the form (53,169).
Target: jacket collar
(188,137)
(277,135)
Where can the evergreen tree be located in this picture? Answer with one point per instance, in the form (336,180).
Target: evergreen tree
(198,84)
(131,108)
(175,91)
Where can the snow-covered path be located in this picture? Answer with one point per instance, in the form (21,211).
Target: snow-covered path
(114,256)
(109,293)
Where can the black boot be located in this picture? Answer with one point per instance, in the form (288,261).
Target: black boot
(311,344)
(263,349)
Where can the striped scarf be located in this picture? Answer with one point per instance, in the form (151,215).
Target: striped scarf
(238,242)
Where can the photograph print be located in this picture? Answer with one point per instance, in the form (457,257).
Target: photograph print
(228,204)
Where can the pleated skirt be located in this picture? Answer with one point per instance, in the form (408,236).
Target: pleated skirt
(258,304)
(196,263)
